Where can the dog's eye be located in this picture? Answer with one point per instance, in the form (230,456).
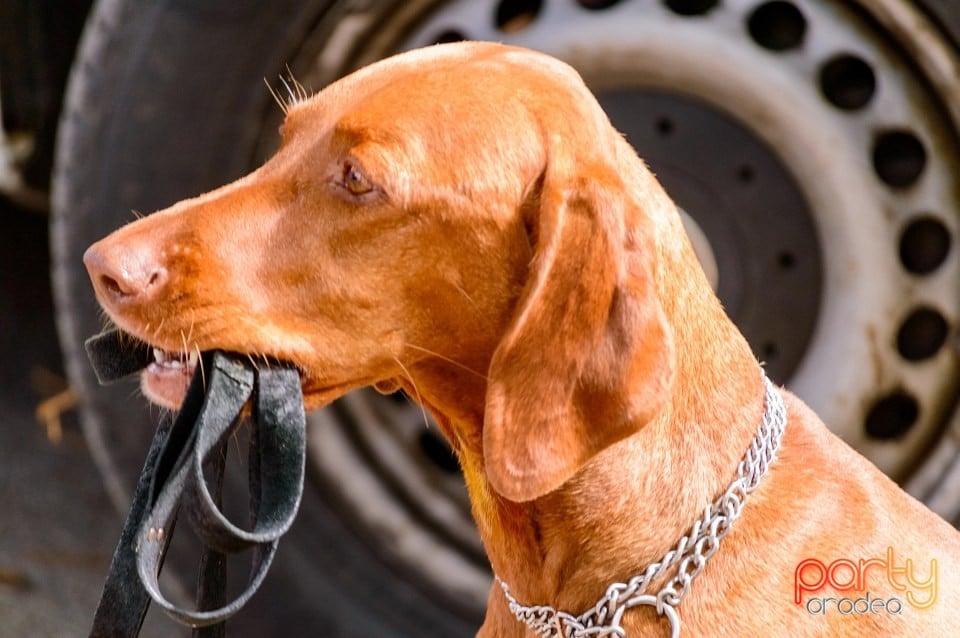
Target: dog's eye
(354,180)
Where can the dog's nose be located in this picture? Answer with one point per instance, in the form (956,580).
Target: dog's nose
(124,274)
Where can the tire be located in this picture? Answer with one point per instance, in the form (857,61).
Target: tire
(166,101)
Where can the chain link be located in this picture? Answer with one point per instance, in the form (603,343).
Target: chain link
(690,554)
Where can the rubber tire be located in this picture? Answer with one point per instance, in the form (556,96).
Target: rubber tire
(164,102)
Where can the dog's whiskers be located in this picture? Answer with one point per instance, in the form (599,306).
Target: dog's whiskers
(302,94)
(416,390)
(235,436)
(189,338)
(292,101)
(463,292)
(183,341)
(296,92)
(196,348)
(284,107)
(448,360)
(156,333)
(105,321)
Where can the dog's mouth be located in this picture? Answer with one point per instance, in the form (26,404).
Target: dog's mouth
(165,379)
(166,375)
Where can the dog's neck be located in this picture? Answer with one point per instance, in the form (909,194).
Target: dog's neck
(557,549)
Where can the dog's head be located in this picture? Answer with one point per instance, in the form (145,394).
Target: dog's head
(463,212)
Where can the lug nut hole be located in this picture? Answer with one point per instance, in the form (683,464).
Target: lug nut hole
(448,36)
(899,158)
(892,416)
(691,7)
(513,16)
(597,5)
(777,26)
(847,82)
(924,245)
(922,334)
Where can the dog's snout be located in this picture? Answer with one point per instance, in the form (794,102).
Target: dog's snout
(124,274)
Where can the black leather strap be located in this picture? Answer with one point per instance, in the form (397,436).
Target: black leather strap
(124,601)
(173,478)
(115,355)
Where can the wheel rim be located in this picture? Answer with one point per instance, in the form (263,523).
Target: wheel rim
(852,126)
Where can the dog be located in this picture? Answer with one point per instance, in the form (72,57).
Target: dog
(464,223)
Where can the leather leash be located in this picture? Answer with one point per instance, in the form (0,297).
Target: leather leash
(172,480)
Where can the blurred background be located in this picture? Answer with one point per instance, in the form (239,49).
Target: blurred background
(812,145)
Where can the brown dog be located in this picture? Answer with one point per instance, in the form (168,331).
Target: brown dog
(463,222)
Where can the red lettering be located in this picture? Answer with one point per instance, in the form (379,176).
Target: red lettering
(839,564)
(801,585)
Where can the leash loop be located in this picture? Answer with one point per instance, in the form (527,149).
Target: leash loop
(173,478)
(277,447)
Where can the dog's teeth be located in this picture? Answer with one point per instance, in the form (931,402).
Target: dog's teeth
(175,360)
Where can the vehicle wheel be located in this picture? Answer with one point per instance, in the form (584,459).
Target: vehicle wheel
(813,142)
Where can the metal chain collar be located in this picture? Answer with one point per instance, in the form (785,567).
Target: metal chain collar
(691,553)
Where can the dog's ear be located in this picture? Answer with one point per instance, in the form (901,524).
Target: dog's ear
(588,358)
